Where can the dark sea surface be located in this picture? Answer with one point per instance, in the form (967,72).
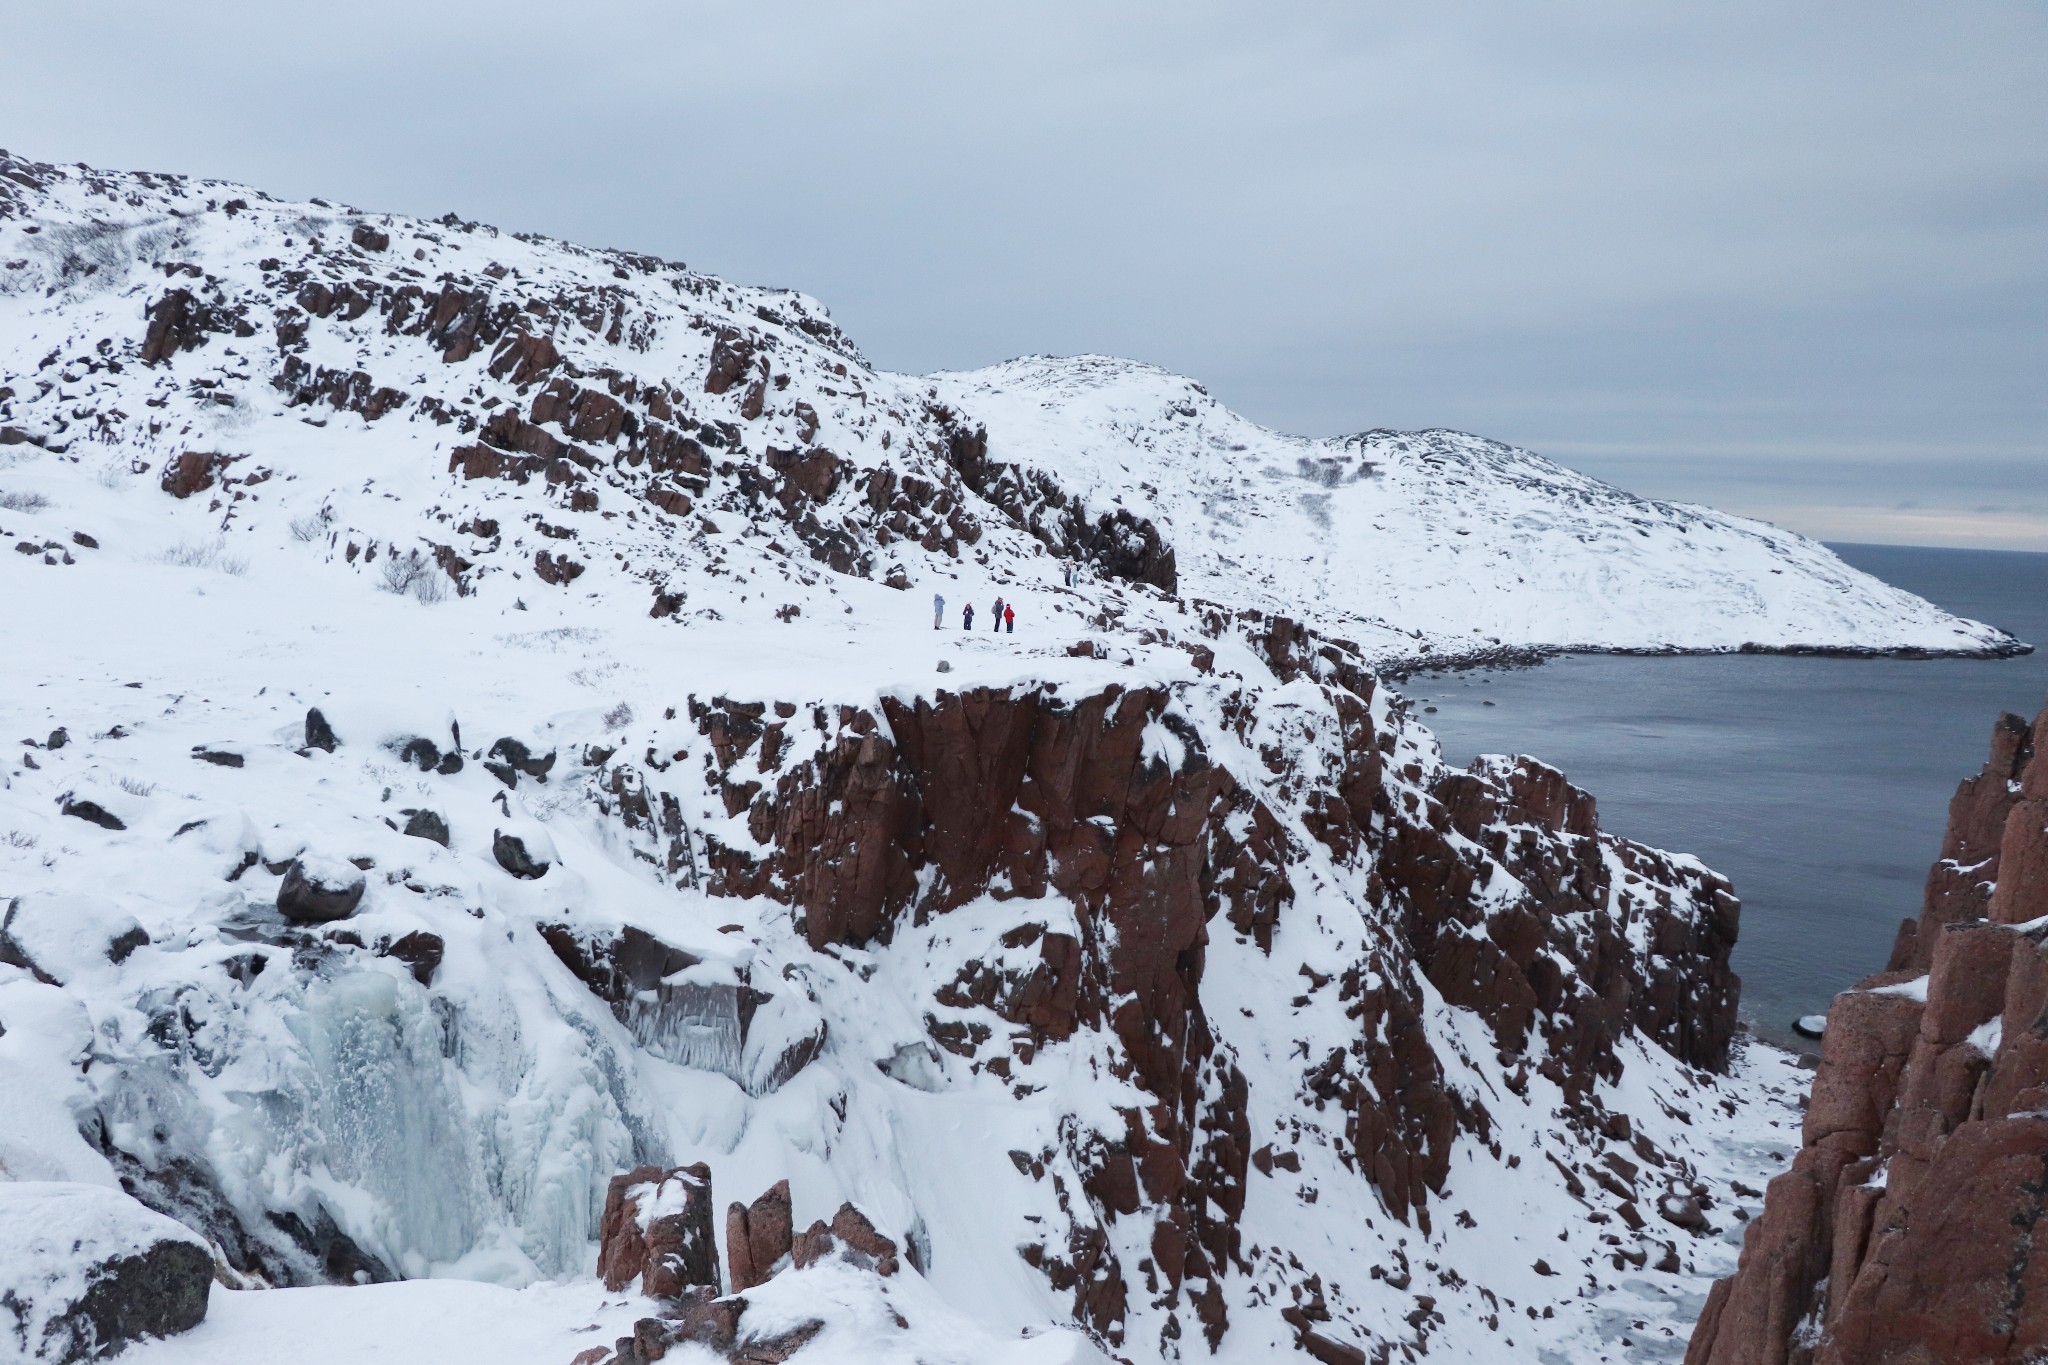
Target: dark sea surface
(1819,786)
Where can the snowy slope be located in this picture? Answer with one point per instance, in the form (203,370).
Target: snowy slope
(1402,540)
(456,487)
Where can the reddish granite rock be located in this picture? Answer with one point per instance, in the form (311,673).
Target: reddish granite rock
(1966,985)
(657,1225)
(622,1246)
(2023,863)
(1959,1281)
(1905,1230)
(850,1235)
(1959,885)
(757,1237)
(852,1230)
(193,472)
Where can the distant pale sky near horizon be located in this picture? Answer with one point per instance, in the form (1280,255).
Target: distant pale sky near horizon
(1790,260)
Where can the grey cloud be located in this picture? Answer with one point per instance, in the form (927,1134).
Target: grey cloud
(1626,235)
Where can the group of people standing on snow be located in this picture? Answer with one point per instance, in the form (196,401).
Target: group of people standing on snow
(1004,615)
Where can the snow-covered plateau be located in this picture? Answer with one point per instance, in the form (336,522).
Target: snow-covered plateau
(479,731)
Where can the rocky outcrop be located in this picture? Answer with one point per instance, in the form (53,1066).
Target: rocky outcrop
(1119,544)
(657,1229)
(1905,1229)
(1112,803)
(712,1021)
(758,1237)
(849,1236)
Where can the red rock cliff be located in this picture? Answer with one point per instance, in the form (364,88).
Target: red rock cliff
(1905,1230)
(1113,803)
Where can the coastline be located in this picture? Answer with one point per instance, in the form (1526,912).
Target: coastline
(1401,667)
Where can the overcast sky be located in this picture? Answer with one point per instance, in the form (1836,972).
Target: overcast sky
(1791,259)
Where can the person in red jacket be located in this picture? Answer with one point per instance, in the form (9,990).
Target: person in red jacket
(1010,618)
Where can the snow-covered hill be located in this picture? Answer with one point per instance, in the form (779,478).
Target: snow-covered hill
(1143,974)
(1432,541)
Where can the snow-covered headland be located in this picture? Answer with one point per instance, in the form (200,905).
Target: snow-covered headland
(1428,545)
(1144,977)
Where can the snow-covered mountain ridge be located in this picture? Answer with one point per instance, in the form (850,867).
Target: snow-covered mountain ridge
(1143,974)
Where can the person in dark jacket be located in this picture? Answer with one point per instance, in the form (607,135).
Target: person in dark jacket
(996,615)
(967,617)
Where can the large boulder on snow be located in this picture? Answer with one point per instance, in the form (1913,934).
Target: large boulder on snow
(319,891)
(524,851)
(85,1270)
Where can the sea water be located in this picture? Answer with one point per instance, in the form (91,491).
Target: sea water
(1819,786)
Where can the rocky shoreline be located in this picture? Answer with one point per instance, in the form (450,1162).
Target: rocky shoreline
(1401,668)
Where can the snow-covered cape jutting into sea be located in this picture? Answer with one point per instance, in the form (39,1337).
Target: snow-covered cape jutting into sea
(1434,542)
(480,731)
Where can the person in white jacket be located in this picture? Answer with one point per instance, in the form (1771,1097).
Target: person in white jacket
(938,611)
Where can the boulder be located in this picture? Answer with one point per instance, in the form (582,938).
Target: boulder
(85,1271)
(319,734)
(420,951)
(426,824)
(66,937)
(513,855)
(318,892)
(193,472)
(508,757)
(93,813)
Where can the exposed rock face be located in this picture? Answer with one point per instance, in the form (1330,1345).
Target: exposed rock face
(1111,803)
(1276,994)
(1905,1229)
(759,1039)
(192,472)
(849,1235)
